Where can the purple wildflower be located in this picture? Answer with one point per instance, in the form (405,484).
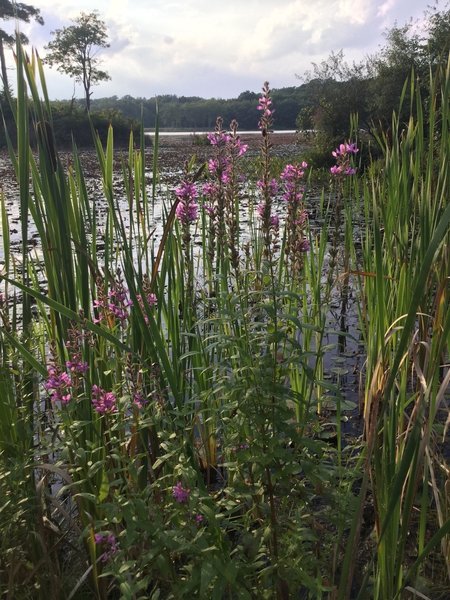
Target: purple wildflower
(271,186)
(219,138)
(151,301)
(58,384)
(274,221)
(336,170)
(118,301)
(109,543)
(343,155)
(187,208)
(292,177)
(265,104)
(303,246)
(180,493)
(115,305)
(77,366)
(103,402)
(138,399)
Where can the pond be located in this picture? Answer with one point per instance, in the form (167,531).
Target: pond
(343,360)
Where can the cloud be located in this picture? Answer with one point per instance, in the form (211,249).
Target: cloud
(216,48)
(385,8)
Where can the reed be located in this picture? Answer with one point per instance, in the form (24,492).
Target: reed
(166,401)
(404,320)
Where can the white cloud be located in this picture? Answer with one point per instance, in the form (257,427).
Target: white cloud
(216,48)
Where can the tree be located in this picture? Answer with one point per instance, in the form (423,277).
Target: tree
(438,46)
(334,91)
(75,48)
(21,12)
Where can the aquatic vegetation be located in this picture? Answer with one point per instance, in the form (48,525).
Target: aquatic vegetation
(169,418)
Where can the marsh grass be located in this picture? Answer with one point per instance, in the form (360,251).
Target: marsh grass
(164,402)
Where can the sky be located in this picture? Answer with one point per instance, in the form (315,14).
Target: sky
(218,48)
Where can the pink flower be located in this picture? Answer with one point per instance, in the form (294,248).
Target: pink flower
(291,177)
(241,148)
(209,188)
(265,106)
(274,221)
(187,209)
(109,543)
(77,366)
(58,384)
(342,154)
(271,186)
(103,402)
(218,138)
(180,493)
(138,399)
(304,246)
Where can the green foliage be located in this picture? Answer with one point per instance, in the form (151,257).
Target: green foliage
(74,50)
(372,89)
(199,114)
(22,12)
(168,426)
(75,125)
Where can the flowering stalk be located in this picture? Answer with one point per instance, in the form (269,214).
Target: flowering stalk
(103,402)
(218,168)
(297,218)
(108,544)
(343,155)
(75,365)
(113,307)
(235,149)
(59,385)
(221,192)
(187,212)
(343,168)
(268,187)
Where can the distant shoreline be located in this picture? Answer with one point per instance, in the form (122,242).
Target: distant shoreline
(187,132)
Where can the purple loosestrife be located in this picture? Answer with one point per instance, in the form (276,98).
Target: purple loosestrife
(343,155)
(296,218)
(58,385)
(221,193)
(135,383)
(151,300)
(266,185)
(187,208)
(74,346)
(235,150)
(103,402)
(113,307)
(180,493)
(108,542)
(187,212)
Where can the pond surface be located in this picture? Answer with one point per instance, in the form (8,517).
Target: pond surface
(342,363)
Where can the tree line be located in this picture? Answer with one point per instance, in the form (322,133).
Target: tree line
(323,101)
(326,97)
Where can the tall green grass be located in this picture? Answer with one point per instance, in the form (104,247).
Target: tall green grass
(405,321)
(216,359)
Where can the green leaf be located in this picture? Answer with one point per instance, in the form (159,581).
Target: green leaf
(104,488)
